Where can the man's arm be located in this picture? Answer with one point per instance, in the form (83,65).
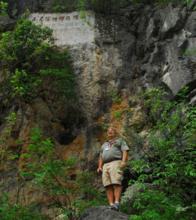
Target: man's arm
(124,158)
(100,164)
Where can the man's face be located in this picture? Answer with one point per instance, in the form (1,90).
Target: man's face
(111,133)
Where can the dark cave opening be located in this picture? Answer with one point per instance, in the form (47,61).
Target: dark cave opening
(65,137)
(72,125)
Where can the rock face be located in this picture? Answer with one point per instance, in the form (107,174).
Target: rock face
(68,28)
(102,213)
(6,23)
(140,47)
(17,7)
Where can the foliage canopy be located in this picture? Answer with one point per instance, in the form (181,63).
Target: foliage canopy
(28,57)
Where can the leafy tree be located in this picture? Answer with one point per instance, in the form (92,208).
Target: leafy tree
(3,8)
(71,189)
(28,57)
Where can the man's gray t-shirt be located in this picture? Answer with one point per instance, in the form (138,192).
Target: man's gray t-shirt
(111,151)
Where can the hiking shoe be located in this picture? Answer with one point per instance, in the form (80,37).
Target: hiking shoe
(112,207)
(115,206)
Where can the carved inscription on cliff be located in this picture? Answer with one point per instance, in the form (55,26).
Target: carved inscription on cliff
(68,28)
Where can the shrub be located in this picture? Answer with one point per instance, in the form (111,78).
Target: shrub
(10,211)
(118,115)
(169,165)
(3,8)
(64,5)
(72,190)
(116,98)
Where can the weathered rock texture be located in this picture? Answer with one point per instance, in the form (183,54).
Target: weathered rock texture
(102,213)
(6,23)
(138,48)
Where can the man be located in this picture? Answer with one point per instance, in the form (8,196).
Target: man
(112,160)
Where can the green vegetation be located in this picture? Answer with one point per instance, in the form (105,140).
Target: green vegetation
(169,166)
(29,58)
(96,5)
(118,114)
(9,211)
(116,98)
(165,174)
(190,52)
(89,195)
(5,153)
(105,6)
(31,63)
(116,4)
(31,66)
(3,8)
(48,171)
(72,190)
(64,5)
(165,1)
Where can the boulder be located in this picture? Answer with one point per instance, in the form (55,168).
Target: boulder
(102,213)
(6,23)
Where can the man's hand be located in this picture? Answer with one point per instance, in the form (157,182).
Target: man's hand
(123,164)
(99,170)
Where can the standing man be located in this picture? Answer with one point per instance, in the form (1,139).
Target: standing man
(112,160)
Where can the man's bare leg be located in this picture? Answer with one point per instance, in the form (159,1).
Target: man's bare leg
(117,193)
(110,194)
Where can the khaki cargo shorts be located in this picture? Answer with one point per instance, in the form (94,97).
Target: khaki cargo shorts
(112,173)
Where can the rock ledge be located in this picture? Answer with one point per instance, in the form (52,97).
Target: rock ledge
(102,213)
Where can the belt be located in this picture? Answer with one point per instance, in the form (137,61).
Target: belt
(112,161)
